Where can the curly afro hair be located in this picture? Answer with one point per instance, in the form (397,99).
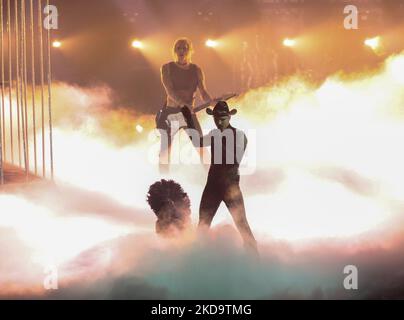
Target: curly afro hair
(164,192)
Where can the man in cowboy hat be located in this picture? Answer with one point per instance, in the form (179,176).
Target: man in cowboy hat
(228,145)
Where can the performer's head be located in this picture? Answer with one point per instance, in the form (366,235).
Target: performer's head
(182,50)
(221,114)
(171,205)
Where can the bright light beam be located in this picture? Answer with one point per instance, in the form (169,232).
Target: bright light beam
(211,43)
(139,128)
(56,44)
(373,43)
(137,44)
(289,42)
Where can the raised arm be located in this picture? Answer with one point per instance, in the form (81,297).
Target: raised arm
(168,85)
(201,85)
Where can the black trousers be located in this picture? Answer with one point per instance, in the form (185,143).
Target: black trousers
(218,190)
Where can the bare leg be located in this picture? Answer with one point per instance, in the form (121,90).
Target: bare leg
(166,139)
(165,151)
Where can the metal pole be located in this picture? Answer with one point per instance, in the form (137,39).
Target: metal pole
(18,81)
(2,96)
(41,55)
(50,98)
(25,84)
(10,80)
(3,132)
(21,84)
(33,81)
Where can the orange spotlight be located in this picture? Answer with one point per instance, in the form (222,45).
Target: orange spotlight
(56,44)
(137,44)
(289,42)
(373,43)
(139,128)
(211,43)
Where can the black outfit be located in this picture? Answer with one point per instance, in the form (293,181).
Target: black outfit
(223,181)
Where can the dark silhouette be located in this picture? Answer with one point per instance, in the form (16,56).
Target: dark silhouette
(228,145)
(171,205)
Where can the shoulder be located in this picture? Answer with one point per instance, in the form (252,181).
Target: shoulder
(166,66)
(196,67)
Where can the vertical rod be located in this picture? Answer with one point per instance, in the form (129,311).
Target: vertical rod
(21,84)
(2,97)
(33,82)
(3,119)
(25,85)
(50,98)
(18,80)
(41,55)
(10,80)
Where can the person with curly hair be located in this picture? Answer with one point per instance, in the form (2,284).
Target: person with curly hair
(171,205)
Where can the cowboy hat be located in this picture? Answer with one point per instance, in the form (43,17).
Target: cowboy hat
(221,109)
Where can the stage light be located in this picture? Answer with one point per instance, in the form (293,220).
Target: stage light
(373,43)
(137,44)
(56,44)
(211,43)
(139,128)
(289,42)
